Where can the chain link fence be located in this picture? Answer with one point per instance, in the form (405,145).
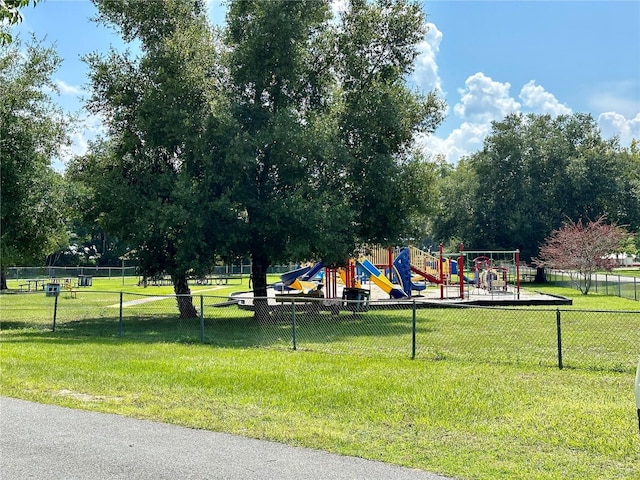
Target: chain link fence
(565,338)
(25,273)
(605,283)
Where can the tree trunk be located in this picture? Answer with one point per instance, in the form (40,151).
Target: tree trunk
(540,275)
(3,280)
(183,296)
(259,265)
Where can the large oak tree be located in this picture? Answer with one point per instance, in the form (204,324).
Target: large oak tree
(32,132)
(325,125)
(158,182)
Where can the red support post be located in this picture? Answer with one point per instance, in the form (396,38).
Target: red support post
(351,274)
(330,281)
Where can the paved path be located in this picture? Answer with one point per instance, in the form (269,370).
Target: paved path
(47,442)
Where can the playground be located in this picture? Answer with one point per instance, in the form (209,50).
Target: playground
(380,277)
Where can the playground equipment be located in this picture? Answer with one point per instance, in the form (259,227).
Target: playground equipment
(380,280)
(493,271)
(300,279)
(402,266)
(489,277)
(393,270)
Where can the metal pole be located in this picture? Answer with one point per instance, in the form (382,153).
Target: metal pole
(55,313)
(619,287)
(518,273)
(559,334)
(413,331)
(120,320)
(293,325)
(201,319)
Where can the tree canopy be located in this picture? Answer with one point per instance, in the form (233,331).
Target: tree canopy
(158,181)
(533,173)
(10,14)
(324,122)
(32,131)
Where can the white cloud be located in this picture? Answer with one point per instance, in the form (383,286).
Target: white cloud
(483,100)
(463,140)
(613,123)
(538,100)
(425,74)
(66,89)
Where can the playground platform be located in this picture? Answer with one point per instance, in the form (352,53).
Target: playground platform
(428,298)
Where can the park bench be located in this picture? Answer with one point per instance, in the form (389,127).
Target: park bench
(304,302)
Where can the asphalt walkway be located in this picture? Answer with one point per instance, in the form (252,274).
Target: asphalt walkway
(48,442)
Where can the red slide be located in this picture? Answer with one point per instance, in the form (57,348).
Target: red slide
(426,275)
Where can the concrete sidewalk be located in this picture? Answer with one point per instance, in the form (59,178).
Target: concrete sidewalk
(47,442)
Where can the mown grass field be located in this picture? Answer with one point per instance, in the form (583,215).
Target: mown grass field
(461,414)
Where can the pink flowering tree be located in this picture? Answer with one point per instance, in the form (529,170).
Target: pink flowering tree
(581,249)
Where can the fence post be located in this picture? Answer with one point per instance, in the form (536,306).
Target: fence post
(201,319)
(55,313)
(293,325)
(559,334)
(635,288)
(120,319)
(413,330)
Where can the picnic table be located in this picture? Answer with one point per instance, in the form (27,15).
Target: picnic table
(217,279)
(35,282)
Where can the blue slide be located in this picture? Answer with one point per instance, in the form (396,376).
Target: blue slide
(403,268)
(312,272)
(302,274)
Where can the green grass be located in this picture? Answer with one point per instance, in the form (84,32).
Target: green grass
(449,413)
(626,272)
(592,301)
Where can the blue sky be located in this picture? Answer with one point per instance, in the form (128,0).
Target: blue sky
(487,58)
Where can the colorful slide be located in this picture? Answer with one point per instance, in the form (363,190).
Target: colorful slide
(428,276)
(289,277)
(454,271)
(403,269)
(380,280)
(300,279)
(313,272)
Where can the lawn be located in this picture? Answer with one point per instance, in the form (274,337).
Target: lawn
(457,415)
(627,272)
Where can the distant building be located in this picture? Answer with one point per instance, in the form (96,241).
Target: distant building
(623,259)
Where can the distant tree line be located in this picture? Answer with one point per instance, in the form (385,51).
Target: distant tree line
(533,174)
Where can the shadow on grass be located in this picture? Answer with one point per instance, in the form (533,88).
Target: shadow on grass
(238,330)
